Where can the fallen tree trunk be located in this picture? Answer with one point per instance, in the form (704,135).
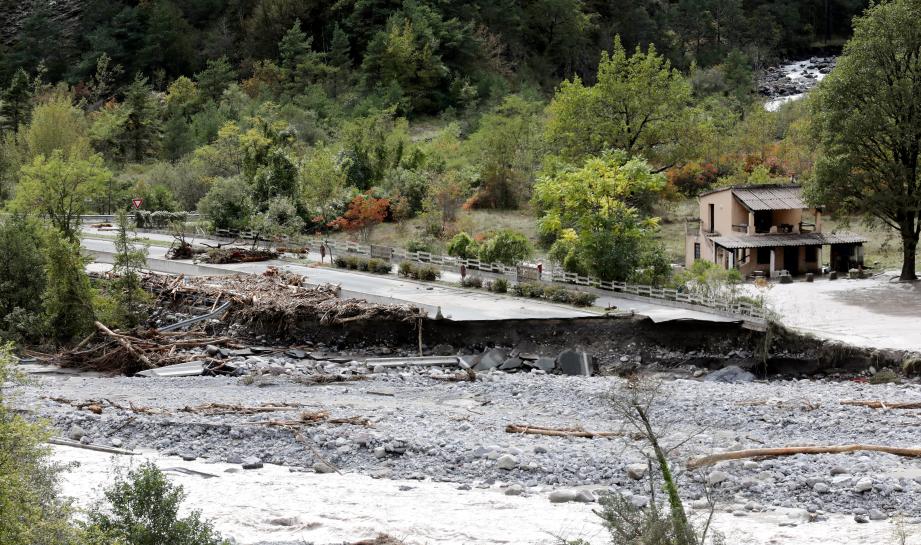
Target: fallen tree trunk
(702,461)
(876,404)
(125,344)
(560,432)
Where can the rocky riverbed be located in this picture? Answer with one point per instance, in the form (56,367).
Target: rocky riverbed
(405,424)
(792,80)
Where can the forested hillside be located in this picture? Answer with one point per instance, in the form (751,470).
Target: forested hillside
(291,117)
(444,50)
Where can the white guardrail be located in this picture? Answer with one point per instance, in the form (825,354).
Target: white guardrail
(528,273)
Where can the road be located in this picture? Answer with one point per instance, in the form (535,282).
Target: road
(455,303)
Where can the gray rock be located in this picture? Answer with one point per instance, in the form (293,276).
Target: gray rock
(863,485)
(116,442)
(585,496)
(212,350)
(731,373)
(545,364)
(838,470)
(320,467)
(507,462)
(76,433)
(252,463)
(563,495)
(514,490)
(639,501)
(861,518)
(716,477)
(876,514)
(821,488)
(574,363)
(492,359)
(511,363)
(637,471)
(540,450)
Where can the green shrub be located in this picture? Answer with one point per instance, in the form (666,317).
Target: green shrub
(376,266)
(462,245)
(528,289)
(472,282)
(415,271)
(68,298)
(507,247)
(884,376)
(425,244)
(499,285)
(581,298)
(143,509)
(556,294)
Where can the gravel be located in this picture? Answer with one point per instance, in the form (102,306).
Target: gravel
(421,428)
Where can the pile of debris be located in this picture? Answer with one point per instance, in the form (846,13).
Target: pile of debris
(569,362)
(238,255)
(276,302)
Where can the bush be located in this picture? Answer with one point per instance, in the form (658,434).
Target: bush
(499,285)
(472,282)
(527,289)
(68,299)
(376,266)
(427,273)
(227,204)
(425,244)
(143,509)
(581,298)
(912,366)
(463,246)
(884,376)
(507,247)
(556,294)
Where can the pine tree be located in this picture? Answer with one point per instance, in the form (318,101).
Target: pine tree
(142,131)
(17,102)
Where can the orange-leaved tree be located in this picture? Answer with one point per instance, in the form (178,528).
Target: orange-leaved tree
(365,212)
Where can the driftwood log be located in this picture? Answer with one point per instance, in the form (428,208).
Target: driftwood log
(876,404)
(703,461)
(560,432)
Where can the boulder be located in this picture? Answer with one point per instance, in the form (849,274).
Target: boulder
(731,373)
(863,485)
(563,495)
(637,471)
(507,462)
(510,364)
(716,477)
(320,467)
(492,359)
(252,463)
(574,363)
(546,365)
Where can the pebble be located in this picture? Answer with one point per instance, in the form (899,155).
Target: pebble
(507,461)
(252,463)
(637,471)
(863,485)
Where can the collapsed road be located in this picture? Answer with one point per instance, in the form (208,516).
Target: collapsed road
(524,408)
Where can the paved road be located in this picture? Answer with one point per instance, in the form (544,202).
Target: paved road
(455,303)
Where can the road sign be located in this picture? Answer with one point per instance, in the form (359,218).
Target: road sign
(137,203)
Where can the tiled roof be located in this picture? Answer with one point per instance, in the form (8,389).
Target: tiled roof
(771,197)
(733,242)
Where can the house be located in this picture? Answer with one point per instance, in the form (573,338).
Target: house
(765,229)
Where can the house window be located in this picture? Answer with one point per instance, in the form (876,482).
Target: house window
(764,256)
(696,251)
(812,254)
(712,218)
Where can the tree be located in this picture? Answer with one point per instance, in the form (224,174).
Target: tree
(22,276)
(301,65)
(322,184)
(68,299)
(31,508)
(57,126)
(17,101)
(365,212)
(59,187)
(868,116)
(142,123)
(280,219)
(639,104)
(130,259)
(507,247)
(215,78)
(596,212)
(462,245)
(142,508)
(507,145)
(227,205)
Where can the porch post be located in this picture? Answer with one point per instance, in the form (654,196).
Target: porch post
(771,271)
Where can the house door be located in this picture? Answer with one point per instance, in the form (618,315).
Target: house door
(791,259)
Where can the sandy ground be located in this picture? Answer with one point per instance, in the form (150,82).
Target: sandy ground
(874,312)
(275,505)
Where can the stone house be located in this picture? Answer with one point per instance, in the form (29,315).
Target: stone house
(764,229)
